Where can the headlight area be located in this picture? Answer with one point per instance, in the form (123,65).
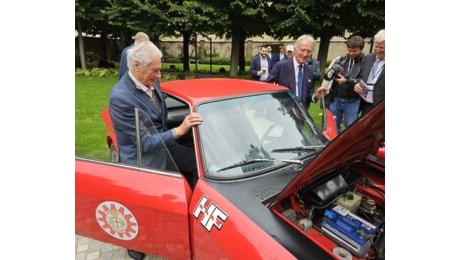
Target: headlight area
(343,213)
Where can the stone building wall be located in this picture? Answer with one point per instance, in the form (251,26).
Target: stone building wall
(220,47)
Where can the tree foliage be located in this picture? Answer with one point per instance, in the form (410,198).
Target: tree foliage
(235,19)
(325,19)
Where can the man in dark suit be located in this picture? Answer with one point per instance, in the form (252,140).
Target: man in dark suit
(140,88)
(281,55)
(295,74)
(270,54)
(373,74)
(261,65)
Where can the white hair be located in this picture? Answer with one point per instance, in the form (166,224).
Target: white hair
(142,52)
(307,37)
(380,36)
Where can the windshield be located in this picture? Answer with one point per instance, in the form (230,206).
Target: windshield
(247,135)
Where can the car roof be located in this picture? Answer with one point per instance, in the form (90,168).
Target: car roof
(195,91)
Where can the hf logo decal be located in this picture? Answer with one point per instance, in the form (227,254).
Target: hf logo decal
(212,215)
(116,220)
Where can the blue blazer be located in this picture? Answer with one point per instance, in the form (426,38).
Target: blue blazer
(283,73)
(123,62)
(124,97)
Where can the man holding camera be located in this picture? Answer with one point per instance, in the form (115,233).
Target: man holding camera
(344,101)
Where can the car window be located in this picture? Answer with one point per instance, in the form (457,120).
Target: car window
(152,152)
(255,133)
(173,103)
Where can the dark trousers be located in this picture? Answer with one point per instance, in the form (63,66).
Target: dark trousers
(184,161)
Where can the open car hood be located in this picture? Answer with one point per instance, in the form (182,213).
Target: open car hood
(358,141)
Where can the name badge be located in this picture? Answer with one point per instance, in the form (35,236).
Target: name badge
(369,93)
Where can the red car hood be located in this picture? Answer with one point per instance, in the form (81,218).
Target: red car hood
(361,139)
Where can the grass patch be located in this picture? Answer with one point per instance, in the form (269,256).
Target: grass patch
(91,97)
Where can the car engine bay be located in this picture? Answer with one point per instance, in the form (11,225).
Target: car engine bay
(343,211)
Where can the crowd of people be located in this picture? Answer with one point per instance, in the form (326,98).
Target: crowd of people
(357,80)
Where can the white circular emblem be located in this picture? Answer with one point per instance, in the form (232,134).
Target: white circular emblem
(116,220)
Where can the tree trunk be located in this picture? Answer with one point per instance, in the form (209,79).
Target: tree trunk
(242,63)
(323,50)
(104,61)
(81,46)
(185,51)
(234,57)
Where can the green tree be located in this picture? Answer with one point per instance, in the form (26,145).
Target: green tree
(90,18)
(158,18)
(238,20)
(326,19)
(188,19)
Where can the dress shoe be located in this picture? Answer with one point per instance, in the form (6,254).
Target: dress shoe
(136,254)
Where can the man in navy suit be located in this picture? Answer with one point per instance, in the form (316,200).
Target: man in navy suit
(295,74)
(140,88)
(373,74)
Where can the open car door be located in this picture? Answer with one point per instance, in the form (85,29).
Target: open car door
(132,206)
(329,125)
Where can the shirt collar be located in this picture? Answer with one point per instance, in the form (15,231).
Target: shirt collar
(139,85)
(296,64)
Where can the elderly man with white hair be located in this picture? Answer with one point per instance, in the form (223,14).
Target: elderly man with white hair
(373,75)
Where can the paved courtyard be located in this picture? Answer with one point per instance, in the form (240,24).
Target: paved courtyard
(89,249)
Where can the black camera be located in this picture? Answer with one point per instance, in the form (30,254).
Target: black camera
(337,70)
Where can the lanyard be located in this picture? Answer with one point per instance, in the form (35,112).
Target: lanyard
(374,68)
(375,71)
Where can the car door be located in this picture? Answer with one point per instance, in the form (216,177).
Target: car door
(133,207)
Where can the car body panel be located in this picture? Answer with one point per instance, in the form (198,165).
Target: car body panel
(111,138)
(157,212)
(222,230)
(197,91)
(151,207)
(330,126)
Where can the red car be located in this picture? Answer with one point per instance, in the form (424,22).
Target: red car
(271,185)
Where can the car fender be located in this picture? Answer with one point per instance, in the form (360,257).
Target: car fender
(219,230)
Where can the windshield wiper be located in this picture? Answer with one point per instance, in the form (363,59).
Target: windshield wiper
(312,148)
(246,162)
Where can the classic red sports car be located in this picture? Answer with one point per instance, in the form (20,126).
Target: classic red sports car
(271,185)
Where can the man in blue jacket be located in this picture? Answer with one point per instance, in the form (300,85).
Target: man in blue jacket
(140,88)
